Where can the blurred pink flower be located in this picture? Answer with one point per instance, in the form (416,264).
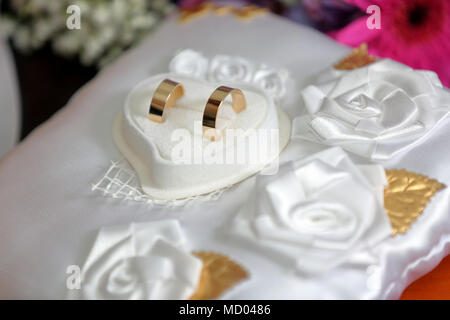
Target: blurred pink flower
(414,32)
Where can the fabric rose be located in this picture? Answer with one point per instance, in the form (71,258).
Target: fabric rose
(377,111)
(190,63)
(231,69)
(139,261)
(228,68)
(272,81)
(317,213)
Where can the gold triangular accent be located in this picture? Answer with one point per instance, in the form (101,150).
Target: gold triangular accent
(246,12)
(249,12)
(199,11)
(407,196)
(358,58)
(219,273)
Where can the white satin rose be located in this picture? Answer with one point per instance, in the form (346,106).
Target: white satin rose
(272,81)
(230,69)
(225,68)
(376,111)
(190,63)
(139,261)
(317,213)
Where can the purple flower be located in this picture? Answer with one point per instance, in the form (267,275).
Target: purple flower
(327,15)
(187,4)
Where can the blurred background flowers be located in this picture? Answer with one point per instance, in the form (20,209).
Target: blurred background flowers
(415,32)
(109,27)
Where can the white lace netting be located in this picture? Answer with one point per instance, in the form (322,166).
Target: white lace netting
(120,182)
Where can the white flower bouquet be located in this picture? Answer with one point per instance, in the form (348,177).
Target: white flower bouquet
(106,27)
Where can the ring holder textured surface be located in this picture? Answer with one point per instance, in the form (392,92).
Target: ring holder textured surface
(174,160)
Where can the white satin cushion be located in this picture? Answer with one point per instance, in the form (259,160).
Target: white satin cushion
(377,111)
(49,203)
(139,261)
(317,212)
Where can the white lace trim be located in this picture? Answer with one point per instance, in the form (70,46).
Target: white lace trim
(120,182)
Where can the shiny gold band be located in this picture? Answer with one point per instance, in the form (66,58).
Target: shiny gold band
(215,101)
(166,94)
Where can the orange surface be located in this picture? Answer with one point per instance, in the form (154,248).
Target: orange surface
(434,285)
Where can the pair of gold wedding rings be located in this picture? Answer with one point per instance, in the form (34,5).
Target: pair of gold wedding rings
(169,91)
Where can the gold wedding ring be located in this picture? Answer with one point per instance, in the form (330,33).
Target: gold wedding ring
(166,94)
(215,101)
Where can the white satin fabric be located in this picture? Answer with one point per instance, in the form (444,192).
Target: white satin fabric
(50,217)
(227,68)
(377,111)
(190,63)
(139,261)
(234,69)
(316,213)
(272,81)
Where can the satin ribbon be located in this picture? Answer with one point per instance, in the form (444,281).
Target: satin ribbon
(316,213)
(225,68)
(139,261)
(377,111)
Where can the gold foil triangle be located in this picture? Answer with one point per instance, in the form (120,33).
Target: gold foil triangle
(407,196)
(358,58)
(219,273)
(246,12)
